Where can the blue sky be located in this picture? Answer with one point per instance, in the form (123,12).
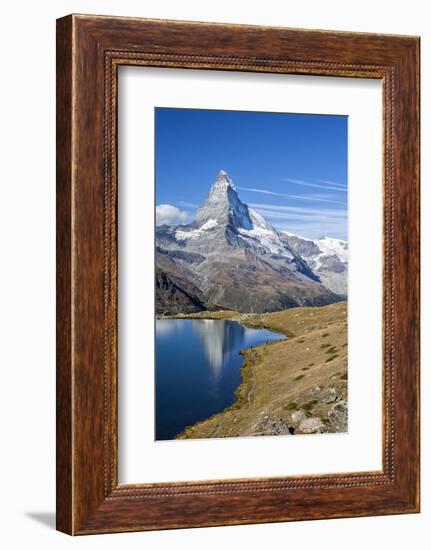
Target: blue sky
(291,168)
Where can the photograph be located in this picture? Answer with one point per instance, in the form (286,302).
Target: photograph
(212,221)
(251,273)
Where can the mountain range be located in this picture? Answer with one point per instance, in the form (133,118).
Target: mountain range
(230,257)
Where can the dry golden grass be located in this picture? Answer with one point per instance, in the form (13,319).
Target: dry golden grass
(307,373)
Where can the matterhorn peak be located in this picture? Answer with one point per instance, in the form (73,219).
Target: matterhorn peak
(223,177)
(223,181)
(223,204)
(223,189)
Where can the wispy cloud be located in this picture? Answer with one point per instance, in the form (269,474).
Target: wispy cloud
(335,183)
(308,222)
(299,210)
(288,195)
(328,185)
(185,204)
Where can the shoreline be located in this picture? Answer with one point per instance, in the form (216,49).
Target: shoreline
(241,392)
(249,320)
(315,395)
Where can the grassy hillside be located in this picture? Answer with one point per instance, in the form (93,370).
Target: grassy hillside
(298,385)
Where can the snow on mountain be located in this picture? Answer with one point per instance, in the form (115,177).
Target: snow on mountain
(236,259)
(338,247)
(195,233)
(224,205)
(327,257)
(224,208)
(266,235)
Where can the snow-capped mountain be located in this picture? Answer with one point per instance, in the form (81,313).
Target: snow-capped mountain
(327,257)
(231,257)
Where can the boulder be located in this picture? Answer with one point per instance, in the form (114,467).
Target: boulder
(312,425)
(337,416)
(296,418)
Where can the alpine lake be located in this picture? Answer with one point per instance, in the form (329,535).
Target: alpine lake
(198,368)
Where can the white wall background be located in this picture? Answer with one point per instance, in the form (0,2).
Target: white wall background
(27,308)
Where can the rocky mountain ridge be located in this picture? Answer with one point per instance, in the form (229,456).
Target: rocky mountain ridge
(327,257)
(230,257)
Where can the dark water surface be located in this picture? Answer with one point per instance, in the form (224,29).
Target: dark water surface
(198,369)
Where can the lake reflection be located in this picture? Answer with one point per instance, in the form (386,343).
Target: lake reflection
(198,369)
(218,339)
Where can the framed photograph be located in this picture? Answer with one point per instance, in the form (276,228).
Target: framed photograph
(237,274)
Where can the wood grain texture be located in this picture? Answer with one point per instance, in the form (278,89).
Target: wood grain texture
(90,49)
(64,497)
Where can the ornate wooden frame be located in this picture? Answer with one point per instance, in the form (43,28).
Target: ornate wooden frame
(89,51)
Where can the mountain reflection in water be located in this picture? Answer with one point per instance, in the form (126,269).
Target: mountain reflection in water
(198,369)
(218,338)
